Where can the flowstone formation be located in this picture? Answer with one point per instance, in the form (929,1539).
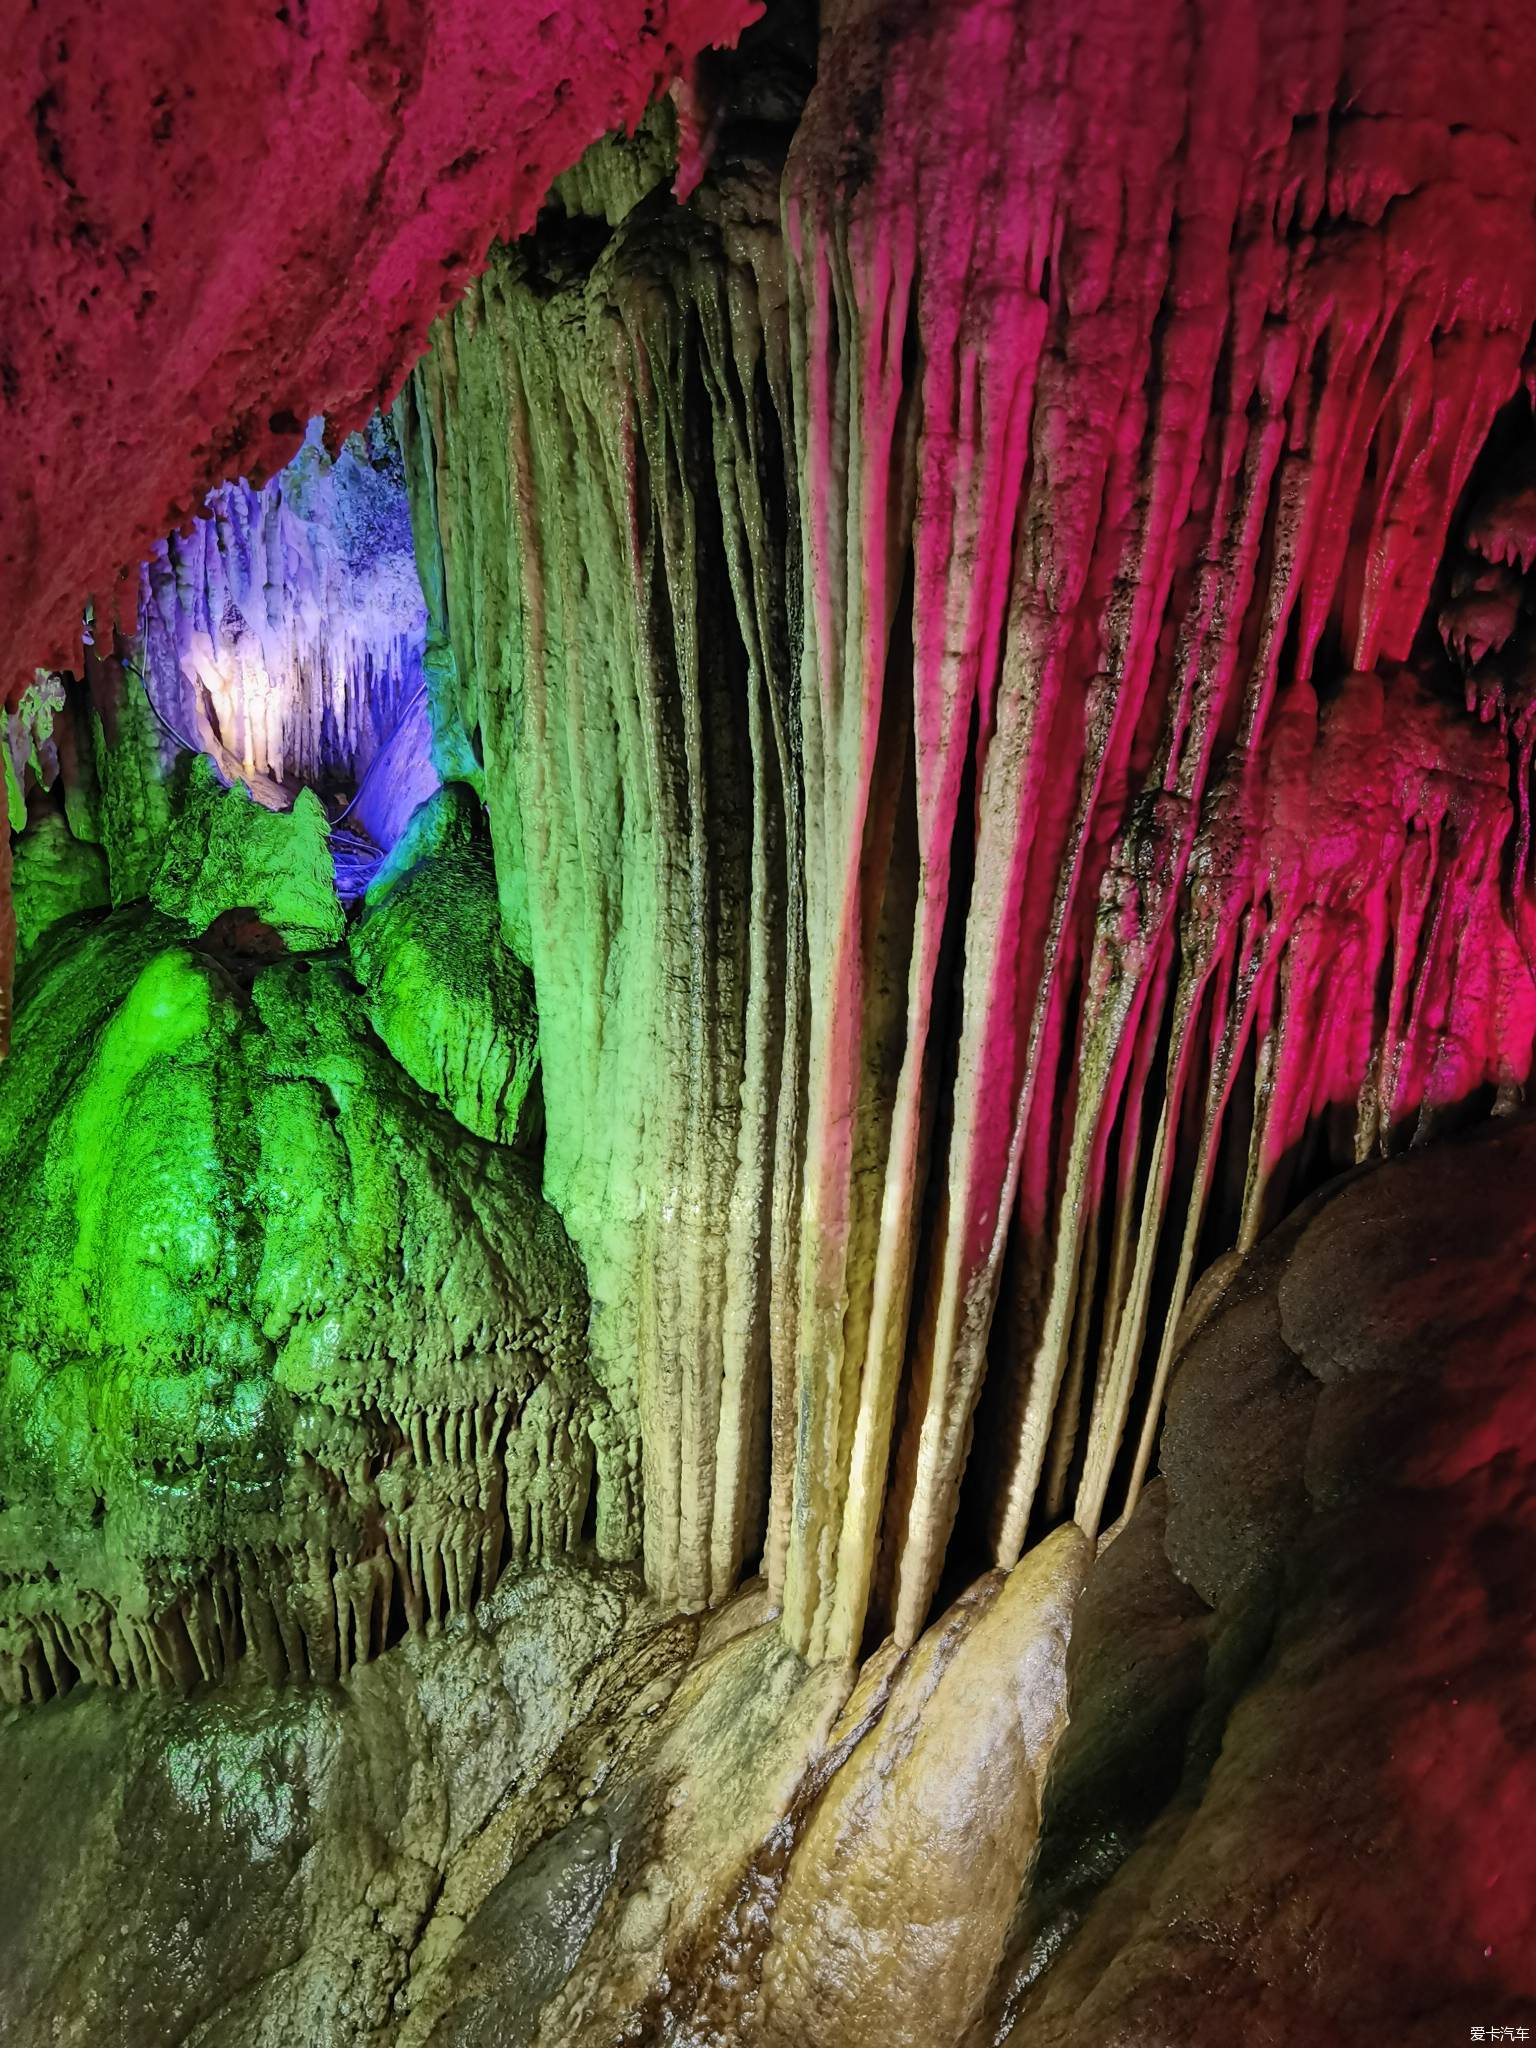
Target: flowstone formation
(226,852)
(293,1362)
(292,1867)
(54,875)
(1294,1799)
(993,633)
(453,1004)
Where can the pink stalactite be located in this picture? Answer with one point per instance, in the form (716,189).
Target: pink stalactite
(1248,335)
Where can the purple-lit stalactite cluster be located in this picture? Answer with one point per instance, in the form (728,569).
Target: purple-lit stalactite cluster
(283,635)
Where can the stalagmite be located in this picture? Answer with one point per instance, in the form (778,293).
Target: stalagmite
(453,1003)
(304,1367)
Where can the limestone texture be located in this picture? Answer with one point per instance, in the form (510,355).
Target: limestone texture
(562,1819)
(1253,1772)
(997,708)
(53,876)
(901,1889)
(225,222)
(973,606)
(226,852)
(444,991)
(283,633)
(1294,1796)
(287,1868)
(291,1359)
(599,673)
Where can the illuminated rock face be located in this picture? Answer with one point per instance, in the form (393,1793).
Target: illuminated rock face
(282,638)
(453,1004)
(981,661)
(971,630)
(225,852)
(1299,1701)
(631,777)
(293,1361)
(224,222)
(357,1825)
(1202,1798)
(283,635)
(220,1166)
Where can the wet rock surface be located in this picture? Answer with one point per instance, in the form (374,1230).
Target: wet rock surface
(563,1822)
(273,1868)
(1291,1802)
(446,994)
(1350,1455)
(900,1890)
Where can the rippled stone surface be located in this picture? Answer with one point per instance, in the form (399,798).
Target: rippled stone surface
(292,1360)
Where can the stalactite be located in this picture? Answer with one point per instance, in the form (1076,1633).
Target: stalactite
(283,632)
(1180,525)
(604,457)
(398,1518)
(1107,845)
(421,1538)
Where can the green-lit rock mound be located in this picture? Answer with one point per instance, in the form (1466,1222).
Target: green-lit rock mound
(290,1361)
(226,852)
(54,875)
(448,997)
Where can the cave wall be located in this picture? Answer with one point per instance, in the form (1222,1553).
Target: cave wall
(221,224)
(634,756)
(986,657)
(994,772)
(1262,1771)
(992,636)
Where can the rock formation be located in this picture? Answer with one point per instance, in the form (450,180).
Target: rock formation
(453,1004)
(688,1006)
(226,222)
(282,635)
(1293,1688)
(970,677)
(294,1362)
